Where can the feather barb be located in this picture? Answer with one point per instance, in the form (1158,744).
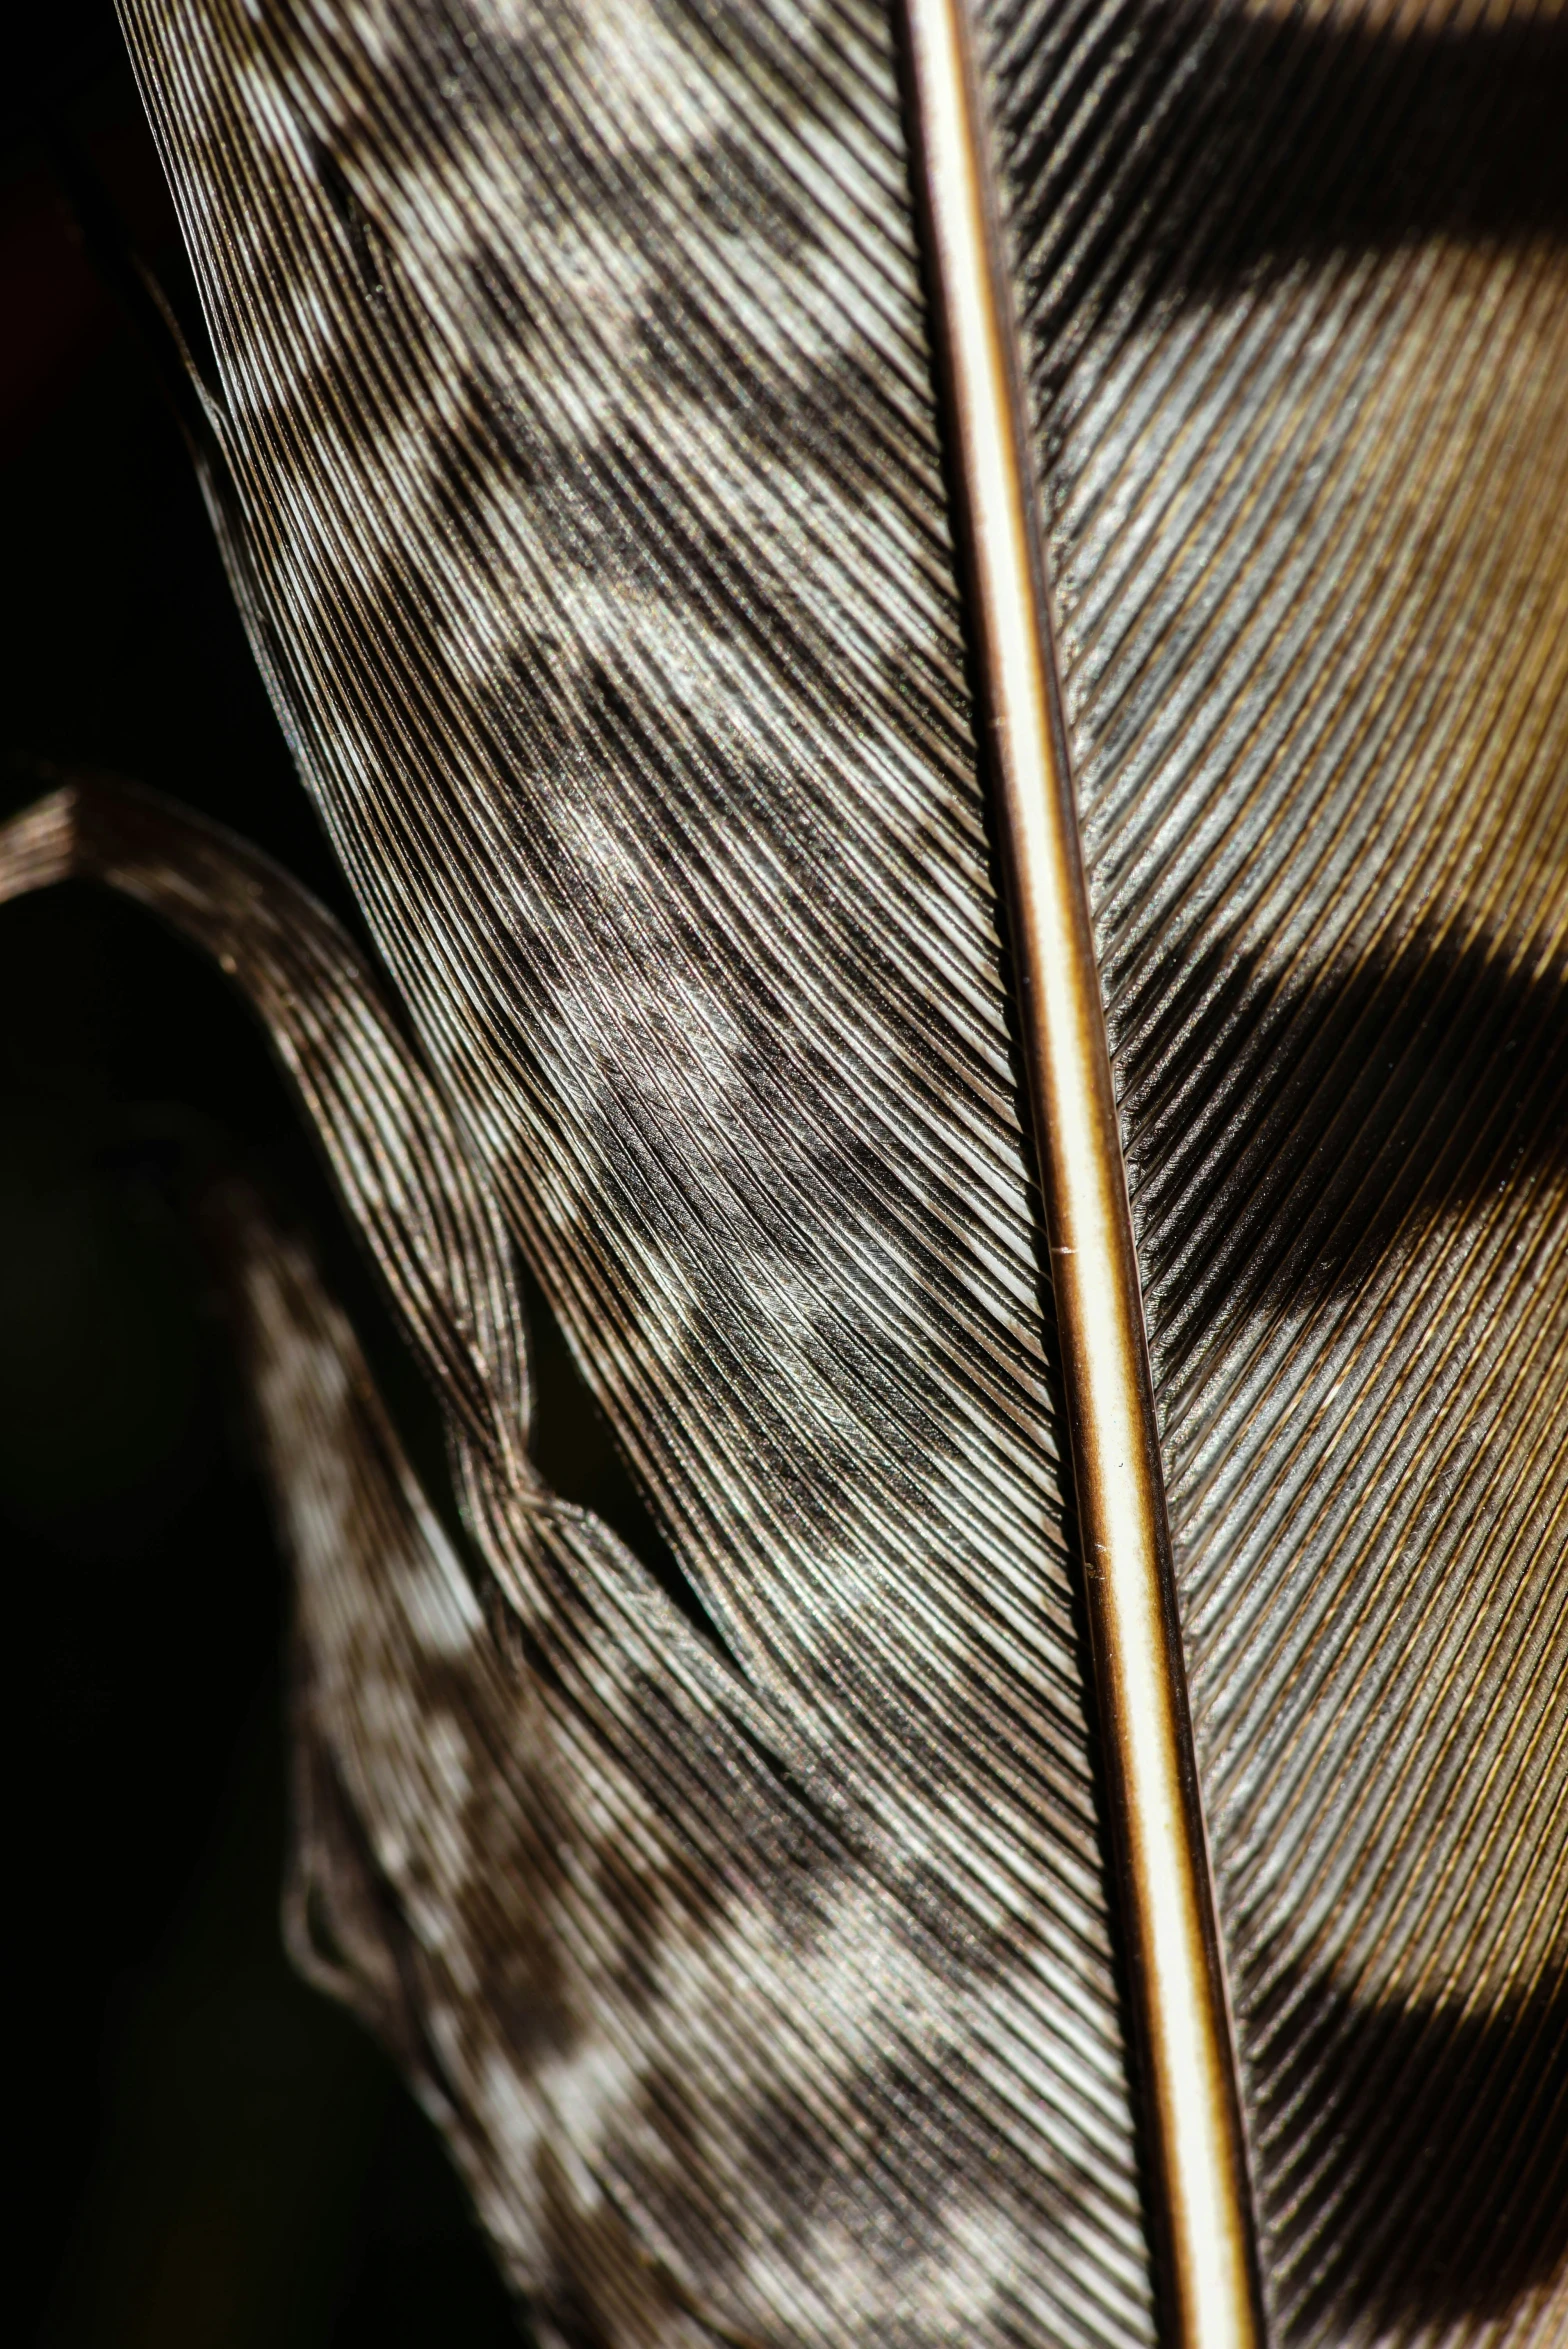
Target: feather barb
(1178,1988)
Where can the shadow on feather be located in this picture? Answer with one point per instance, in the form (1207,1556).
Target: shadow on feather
(1271,140)
(1428,2177)
(1294,1130)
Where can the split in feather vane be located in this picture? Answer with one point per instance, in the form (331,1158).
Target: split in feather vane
(573,439)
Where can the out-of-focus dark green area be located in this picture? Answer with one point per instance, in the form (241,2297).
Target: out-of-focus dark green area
(213,2156)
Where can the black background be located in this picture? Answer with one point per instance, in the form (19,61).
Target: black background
(212,2154)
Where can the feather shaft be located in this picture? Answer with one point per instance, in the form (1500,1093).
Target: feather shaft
(1178,1987)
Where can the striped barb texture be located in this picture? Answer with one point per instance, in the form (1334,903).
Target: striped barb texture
(567,409)
(1293,287)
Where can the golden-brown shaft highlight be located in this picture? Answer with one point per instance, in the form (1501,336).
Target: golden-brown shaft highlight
(1204,2215)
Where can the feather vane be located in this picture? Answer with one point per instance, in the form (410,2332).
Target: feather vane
(571,426)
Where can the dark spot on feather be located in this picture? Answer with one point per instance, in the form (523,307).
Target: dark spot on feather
(864,2182)
(1425,2171)
(740,197)
(802,2170)
(1288,1133)
(363,244)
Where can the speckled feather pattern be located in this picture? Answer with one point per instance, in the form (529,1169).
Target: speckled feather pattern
(711,2064)
(575,450)
(571,437)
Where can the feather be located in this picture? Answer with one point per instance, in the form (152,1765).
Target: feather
(571,425)
(1197,2158)
(646,1950)
(1298,354)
